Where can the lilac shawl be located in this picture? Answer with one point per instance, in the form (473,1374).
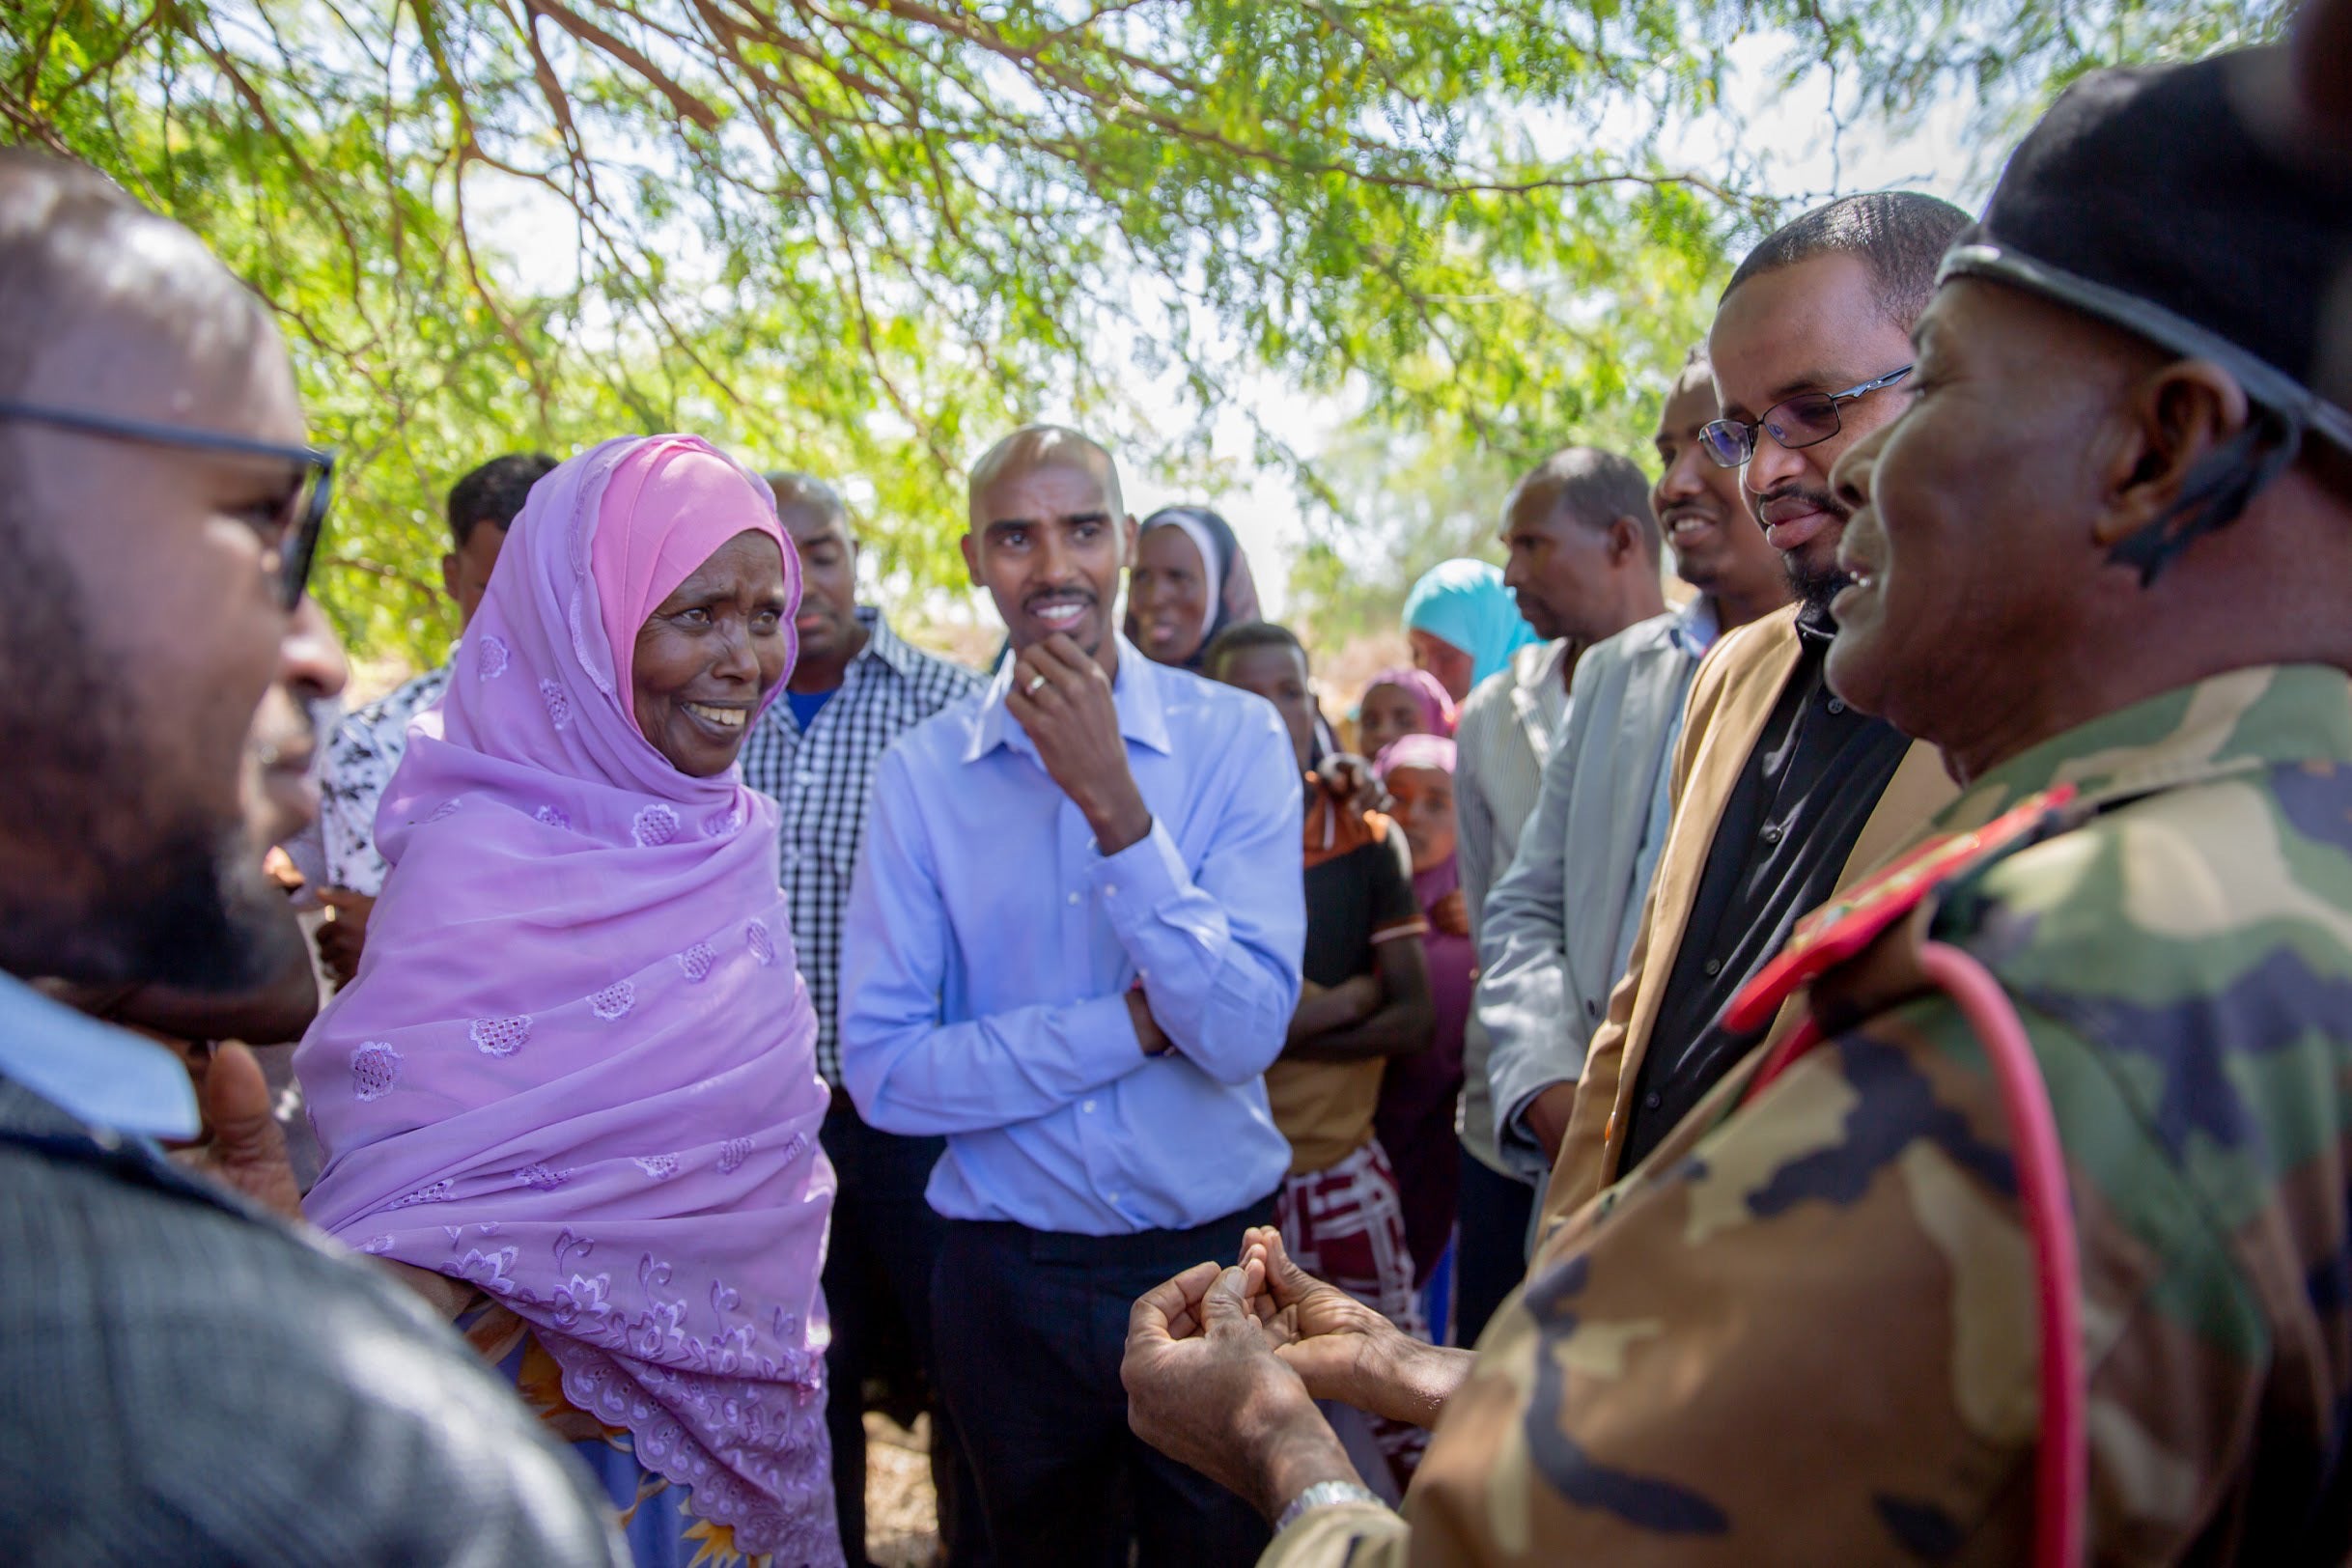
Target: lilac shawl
(577,1065)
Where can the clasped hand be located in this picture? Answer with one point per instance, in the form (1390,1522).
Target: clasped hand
(1339,1348)
(1223,1365)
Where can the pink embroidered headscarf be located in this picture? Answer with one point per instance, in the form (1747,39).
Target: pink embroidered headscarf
(577,1066)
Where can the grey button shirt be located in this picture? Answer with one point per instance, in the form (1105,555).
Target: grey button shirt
(190,1382)
(1507,728)
(1559,925)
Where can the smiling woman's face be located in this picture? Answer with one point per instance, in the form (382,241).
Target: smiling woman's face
(710,653)
(1167,596)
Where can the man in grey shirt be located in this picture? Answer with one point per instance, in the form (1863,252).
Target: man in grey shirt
(185,1379)
(1582,551)
(1560,923)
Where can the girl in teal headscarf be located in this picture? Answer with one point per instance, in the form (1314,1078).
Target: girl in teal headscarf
(1464,624)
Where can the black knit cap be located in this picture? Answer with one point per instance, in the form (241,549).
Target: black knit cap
(2145,200)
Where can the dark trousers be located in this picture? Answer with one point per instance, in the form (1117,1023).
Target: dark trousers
(1494,1217)
(885,1240)
(1029,1327)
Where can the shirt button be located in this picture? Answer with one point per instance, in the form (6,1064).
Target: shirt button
(1835,706)
(804,780)
(1592,1009)
(1652,1101)
(1771,833)
(1715,966)
(1087,1107)
(1075,898)
(1110,889)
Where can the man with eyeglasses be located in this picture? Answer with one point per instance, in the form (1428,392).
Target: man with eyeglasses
(1782,793)
(186,1378)
(1561,921)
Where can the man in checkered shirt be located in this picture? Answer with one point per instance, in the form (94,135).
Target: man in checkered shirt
(855,688)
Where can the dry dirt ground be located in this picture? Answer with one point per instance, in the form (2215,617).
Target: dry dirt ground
(902,1514)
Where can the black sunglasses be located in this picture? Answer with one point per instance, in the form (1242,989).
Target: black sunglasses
(1807,419)
(291,537)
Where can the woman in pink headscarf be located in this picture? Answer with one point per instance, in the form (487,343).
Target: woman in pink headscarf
(572,1089)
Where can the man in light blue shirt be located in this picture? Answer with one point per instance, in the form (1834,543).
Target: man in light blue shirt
(1073,948)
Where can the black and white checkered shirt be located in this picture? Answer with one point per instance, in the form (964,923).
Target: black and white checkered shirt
(825,782)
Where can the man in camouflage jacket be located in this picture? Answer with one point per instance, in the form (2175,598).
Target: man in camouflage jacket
(2110,547)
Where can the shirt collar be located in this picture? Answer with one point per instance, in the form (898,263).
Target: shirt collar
(93,1072)
(1539,666)
(1137,693)
(1815,627)
(884,645)
(2245,721)
(1696,624)
(1538,688)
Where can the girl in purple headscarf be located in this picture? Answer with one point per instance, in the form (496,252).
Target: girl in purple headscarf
(1415,1116)
(572,1089)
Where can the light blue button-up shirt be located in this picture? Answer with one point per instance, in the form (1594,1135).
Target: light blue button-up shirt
(990,947)
(93,1072)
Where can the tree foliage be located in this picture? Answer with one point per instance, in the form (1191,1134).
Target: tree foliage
(864,236)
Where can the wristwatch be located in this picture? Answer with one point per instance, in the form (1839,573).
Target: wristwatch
(1326,1495)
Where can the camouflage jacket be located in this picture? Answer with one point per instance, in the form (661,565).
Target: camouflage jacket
(1804,1331)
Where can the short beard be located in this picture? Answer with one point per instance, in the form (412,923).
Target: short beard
(1814,589)
(1815,586)
(189,915)
(111,876)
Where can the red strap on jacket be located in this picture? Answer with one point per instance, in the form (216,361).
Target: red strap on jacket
(1840,933)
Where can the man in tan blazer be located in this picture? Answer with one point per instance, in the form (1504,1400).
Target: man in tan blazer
(1781,794)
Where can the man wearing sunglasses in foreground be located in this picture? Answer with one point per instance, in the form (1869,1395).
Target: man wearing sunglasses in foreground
(185,1379)
(1782,793)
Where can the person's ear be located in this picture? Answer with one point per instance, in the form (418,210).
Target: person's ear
(1624,541)
(2167,423)
(1130,539)
(971,545)
(449,572)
